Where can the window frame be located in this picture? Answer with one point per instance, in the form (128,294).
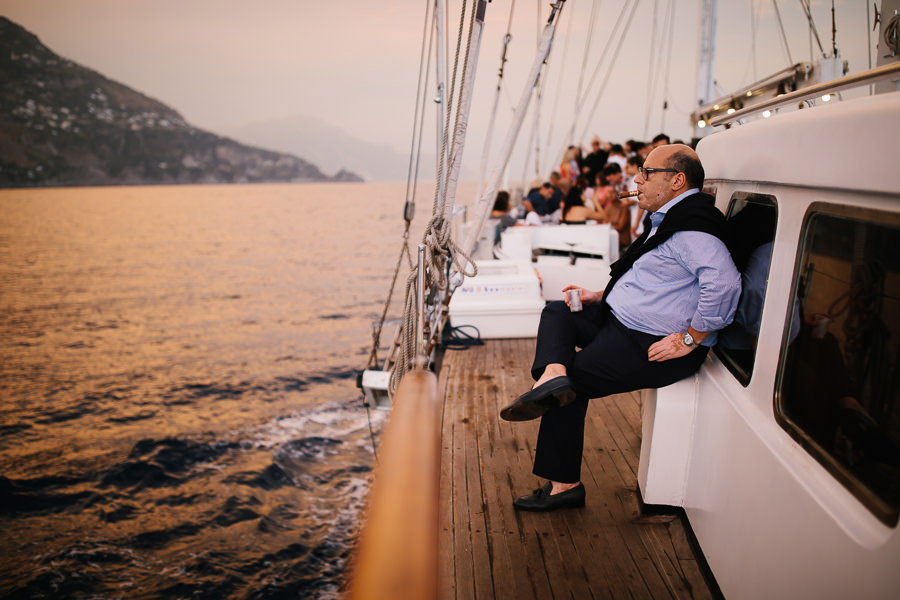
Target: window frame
(883,511)
(733,367)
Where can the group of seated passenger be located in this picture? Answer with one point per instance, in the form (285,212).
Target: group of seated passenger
(585,189)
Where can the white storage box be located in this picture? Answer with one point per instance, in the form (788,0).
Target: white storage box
(519,242)
(502,301)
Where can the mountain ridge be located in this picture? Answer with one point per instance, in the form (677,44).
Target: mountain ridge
(63,124)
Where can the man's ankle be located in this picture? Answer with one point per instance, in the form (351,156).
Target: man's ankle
(557,488)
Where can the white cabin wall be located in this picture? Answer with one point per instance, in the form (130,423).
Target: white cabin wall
(771,521)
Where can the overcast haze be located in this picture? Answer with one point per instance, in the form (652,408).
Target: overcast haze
(353,64)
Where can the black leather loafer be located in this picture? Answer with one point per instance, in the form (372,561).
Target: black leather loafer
(540,500)
(533,404)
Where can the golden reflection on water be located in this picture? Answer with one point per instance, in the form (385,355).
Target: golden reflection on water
(223,317)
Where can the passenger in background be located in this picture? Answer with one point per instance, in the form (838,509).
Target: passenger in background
(640,149)
(540,200)
(631,147)
(568,168)
(607,182)
(645,150)
(619,218)
(574,212)
(501,212)
(637,213)
(557,182)
(617,155)
(661,139)
(593,162)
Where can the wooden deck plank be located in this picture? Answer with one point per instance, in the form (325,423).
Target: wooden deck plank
(447,578)
(507,549)
(481,556)
(605,550)
(513,455)
(462,544)
(499,562)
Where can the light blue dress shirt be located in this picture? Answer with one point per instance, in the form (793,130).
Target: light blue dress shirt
(688,280)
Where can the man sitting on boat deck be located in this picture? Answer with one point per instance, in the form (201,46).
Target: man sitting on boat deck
(668,295)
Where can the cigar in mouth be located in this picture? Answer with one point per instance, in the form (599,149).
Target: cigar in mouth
(631,194)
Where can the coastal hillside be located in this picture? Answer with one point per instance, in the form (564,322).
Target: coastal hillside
(63,124)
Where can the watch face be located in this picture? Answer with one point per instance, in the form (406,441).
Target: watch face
(688,340)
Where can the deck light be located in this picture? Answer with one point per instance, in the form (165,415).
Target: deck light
(767,114)
(701,123)
(826,97)
(730,110)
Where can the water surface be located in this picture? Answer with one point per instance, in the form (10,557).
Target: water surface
(177,378)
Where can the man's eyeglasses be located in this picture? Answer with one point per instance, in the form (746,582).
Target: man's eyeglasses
(646,172)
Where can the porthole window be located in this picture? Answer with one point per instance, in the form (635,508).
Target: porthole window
(839,380)
(751,223)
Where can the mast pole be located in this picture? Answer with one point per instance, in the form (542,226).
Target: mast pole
(706,55)
(483,208)
(462,111)
(441,81)
(490,130)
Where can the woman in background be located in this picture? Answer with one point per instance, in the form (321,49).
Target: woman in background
(574,212)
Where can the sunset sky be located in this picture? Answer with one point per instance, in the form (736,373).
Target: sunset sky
(353,63)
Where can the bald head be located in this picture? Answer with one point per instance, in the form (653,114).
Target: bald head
(683,159)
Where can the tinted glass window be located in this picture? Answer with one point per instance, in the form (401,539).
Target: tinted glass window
(751,222)
(839,379)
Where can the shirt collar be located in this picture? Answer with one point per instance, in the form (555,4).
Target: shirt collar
(657,217)
(665,207)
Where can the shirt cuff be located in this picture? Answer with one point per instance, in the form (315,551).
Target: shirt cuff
(708,324)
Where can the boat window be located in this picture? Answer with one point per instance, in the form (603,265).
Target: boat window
(839,380)
(751,223)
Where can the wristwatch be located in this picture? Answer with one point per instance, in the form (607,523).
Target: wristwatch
(689,341)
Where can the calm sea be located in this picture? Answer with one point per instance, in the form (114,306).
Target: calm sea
(177,377)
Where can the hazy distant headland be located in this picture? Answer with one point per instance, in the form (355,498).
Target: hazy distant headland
(63,124)
(330,147)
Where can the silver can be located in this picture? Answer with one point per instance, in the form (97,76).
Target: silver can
(574,299)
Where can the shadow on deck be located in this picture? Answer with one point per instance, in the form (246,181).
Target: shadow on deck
(487,550)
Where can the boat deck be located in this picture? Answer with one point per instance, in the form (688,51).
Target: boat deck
(488,550)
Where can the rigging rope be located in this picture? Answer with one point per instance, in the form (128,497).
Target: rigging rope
(609,70)
(490,130)
(807,10)
(787,50)
(651,68)
(411,181)
(665,106)
(592,20)
(420,89)
(656,58)
(559,85)
(580,104)
(440,252)
(438,205)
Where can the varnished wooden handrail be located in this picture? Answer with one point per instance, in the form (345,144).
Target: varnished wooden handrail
(397,556)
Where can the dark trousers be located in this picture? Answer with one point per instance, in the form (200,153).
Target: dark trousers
(612,360)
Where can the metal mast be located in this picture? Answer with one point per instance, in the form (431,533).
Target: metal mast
(483,207)
(706,56)
(441,80)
